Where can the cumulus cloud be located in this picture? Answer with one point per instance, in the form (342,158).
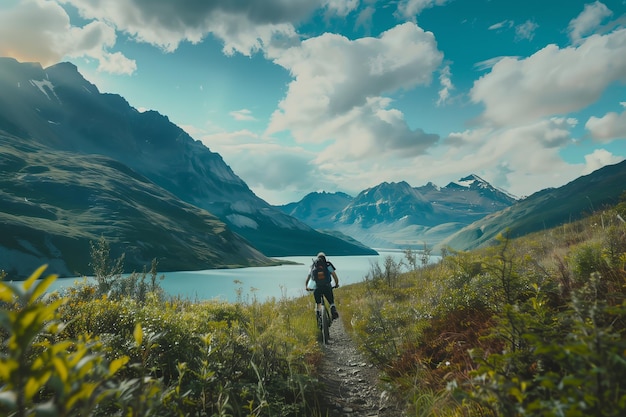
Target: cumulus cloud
(587,21)
(408,9)
(244,27)
(373,131)
(552,81)
(598,159)
(609,127)
(496,154)
(40,30)
(339,84)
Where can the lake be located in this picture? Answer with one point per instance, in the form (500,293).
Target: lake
(260,283)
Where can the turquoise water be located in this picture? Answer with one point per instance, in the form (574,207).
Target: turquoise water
(260,283)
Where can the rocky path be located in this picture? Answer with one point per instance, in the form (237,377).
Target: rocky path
(351,383)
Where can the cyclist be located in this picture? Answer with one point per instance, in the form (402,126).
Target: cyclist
(322,273)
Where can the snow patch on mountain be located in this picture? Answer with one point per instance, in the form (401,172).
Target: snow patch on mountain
(242,221)
(44,86)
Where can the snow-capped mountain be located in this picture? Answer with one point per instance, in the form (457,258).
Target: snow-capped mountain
(318,209)
(385,203)
(394,215)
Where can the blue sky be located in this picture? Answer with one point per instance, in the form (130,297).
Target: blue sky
(341,95)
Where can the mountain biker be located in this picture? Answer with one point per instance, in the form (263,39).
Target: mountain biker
(323,283)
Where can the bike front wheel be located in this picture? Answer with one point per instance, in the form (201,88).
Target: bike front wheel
(325,327)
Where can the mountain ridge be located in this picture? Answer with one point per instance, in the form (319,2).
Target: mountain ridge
(473,213)
(58,110)
(398,215)
(50,212)
(545,209)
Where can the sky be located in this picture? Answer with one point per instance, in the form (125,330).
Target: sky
(299,96)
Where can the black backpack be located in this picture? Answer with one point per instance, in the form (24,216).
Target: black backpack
(319,272)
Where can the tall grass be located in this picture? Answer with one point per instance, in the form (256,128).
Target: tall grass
(153,356)
(514,329)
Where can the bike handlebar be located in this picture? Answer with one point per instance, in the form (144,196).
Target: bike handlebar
(334,286)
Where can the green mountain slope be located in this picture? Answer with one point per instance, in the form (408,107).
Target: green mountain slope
(545,209)
(54,203)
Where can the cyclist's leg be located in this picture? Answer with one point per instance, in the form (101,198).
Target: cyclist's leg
(317,294)
(330,296)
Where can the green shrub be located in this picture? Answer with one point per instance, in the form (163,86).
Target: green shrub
(78,355)
(40,374)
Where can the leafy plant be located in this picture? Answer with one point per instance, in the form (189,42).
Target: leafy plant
(38,373)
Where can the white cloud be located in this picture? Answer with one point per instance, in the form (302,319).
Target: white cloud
(364,19)
(502,24)
(223,141)
(489,63)
(373,131)
(339,83)
(408,9)
(243,115)
(607,128)
(244,27)
(114,63)
(446,85)
(519,159)
(587,21)
(598,159)
(40,30)
(337,104)
(552,81)
(445,79)
(340,8)
(526,30)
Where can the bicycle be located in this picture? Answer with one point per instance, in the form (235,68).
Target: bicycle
(324,320)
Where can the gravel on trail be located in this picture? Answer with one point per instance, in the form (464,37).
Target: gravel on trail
(351,384)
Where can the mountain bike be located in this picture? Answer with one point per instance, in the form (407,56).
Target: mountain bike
(324,320)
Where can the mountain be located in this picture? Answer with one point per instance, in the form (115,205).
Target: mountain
(387,203)
(56,109)
(546,209)
(467,199)
(54,203)
(318,209)
(397,215)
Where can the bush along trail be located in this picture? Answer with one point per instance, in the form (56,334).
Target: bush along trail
(351,384)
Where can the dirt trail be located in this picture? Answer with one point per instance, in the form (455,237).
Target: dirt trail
(351,382)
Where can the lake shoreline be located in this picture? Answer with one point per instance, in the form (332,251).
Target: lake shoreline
(255,283)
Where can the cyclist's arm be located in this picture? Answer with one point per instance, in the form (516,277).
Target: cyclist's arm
(334,274)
